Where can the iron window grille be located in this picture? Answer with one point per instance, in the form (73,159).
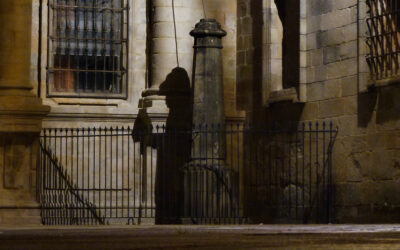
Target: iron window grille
(383,38)
(87,48)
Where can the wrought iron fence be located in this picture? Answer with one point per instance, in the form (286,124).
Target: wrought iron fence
(288,173)
(206,174)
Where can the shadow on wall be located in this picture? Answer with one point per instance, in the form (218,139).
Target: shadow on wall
(388,104)
(366,106)
(384,100)
(256,13)
(172,152)
(177,91)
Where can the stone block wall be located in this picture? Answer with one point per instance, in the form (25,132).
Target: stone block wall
(75,111)
(367,151)
(101,112)
(18,179)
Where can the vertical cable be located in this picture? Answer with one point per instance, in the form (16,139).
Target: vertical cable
(204,9)
(176,38)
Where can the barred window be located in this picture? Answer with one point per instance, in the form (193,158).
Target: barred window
(87,48)
(383,41)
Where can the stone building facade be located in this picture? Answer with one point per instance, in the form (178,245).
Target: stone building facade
(283,61)
(335,84)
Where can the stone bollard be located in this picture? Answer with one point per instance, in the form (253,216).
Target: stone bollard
(208,180)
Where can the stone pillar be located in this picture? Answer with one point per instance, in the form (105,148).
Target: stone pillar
(163,59)
(208,103)
(207,173)
(21,114)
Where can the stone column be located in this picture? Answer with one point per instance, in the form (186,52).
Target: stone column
(208,103)
(207,173)
(163,59)
(21,114)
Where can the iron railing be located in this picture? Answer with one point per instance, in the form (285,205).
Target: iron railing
(288,173)
(169,175)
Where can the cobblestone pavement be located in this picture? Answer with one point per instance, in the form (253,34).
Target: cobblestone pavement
(203,237)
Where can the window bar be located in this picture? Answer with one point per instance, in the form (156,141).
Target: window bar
(395,43)
(121,49)
(381,18)
(103,34)
(379,29)
(387,35)
(125,31)
(77,56)
(50,30)
(391,35)
(68,34)
(86,30)
(95,37)
(373,27)
(111,88)
(60,49)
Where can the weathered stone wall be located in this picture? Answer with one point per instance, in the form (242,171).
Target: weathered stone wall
(366,154)
(75,112)
(144,39)
(21,114)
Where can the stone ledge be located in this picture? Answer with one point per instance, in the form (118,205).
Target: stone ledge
(384,82)
(20,216)
(284,95)
(21,113)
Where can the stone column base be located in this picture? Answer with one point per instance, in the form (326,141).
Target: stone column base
(20,216)
(20,126)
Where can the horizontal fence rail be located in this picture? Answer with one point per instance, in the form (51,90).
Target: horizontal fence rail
(205,174)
